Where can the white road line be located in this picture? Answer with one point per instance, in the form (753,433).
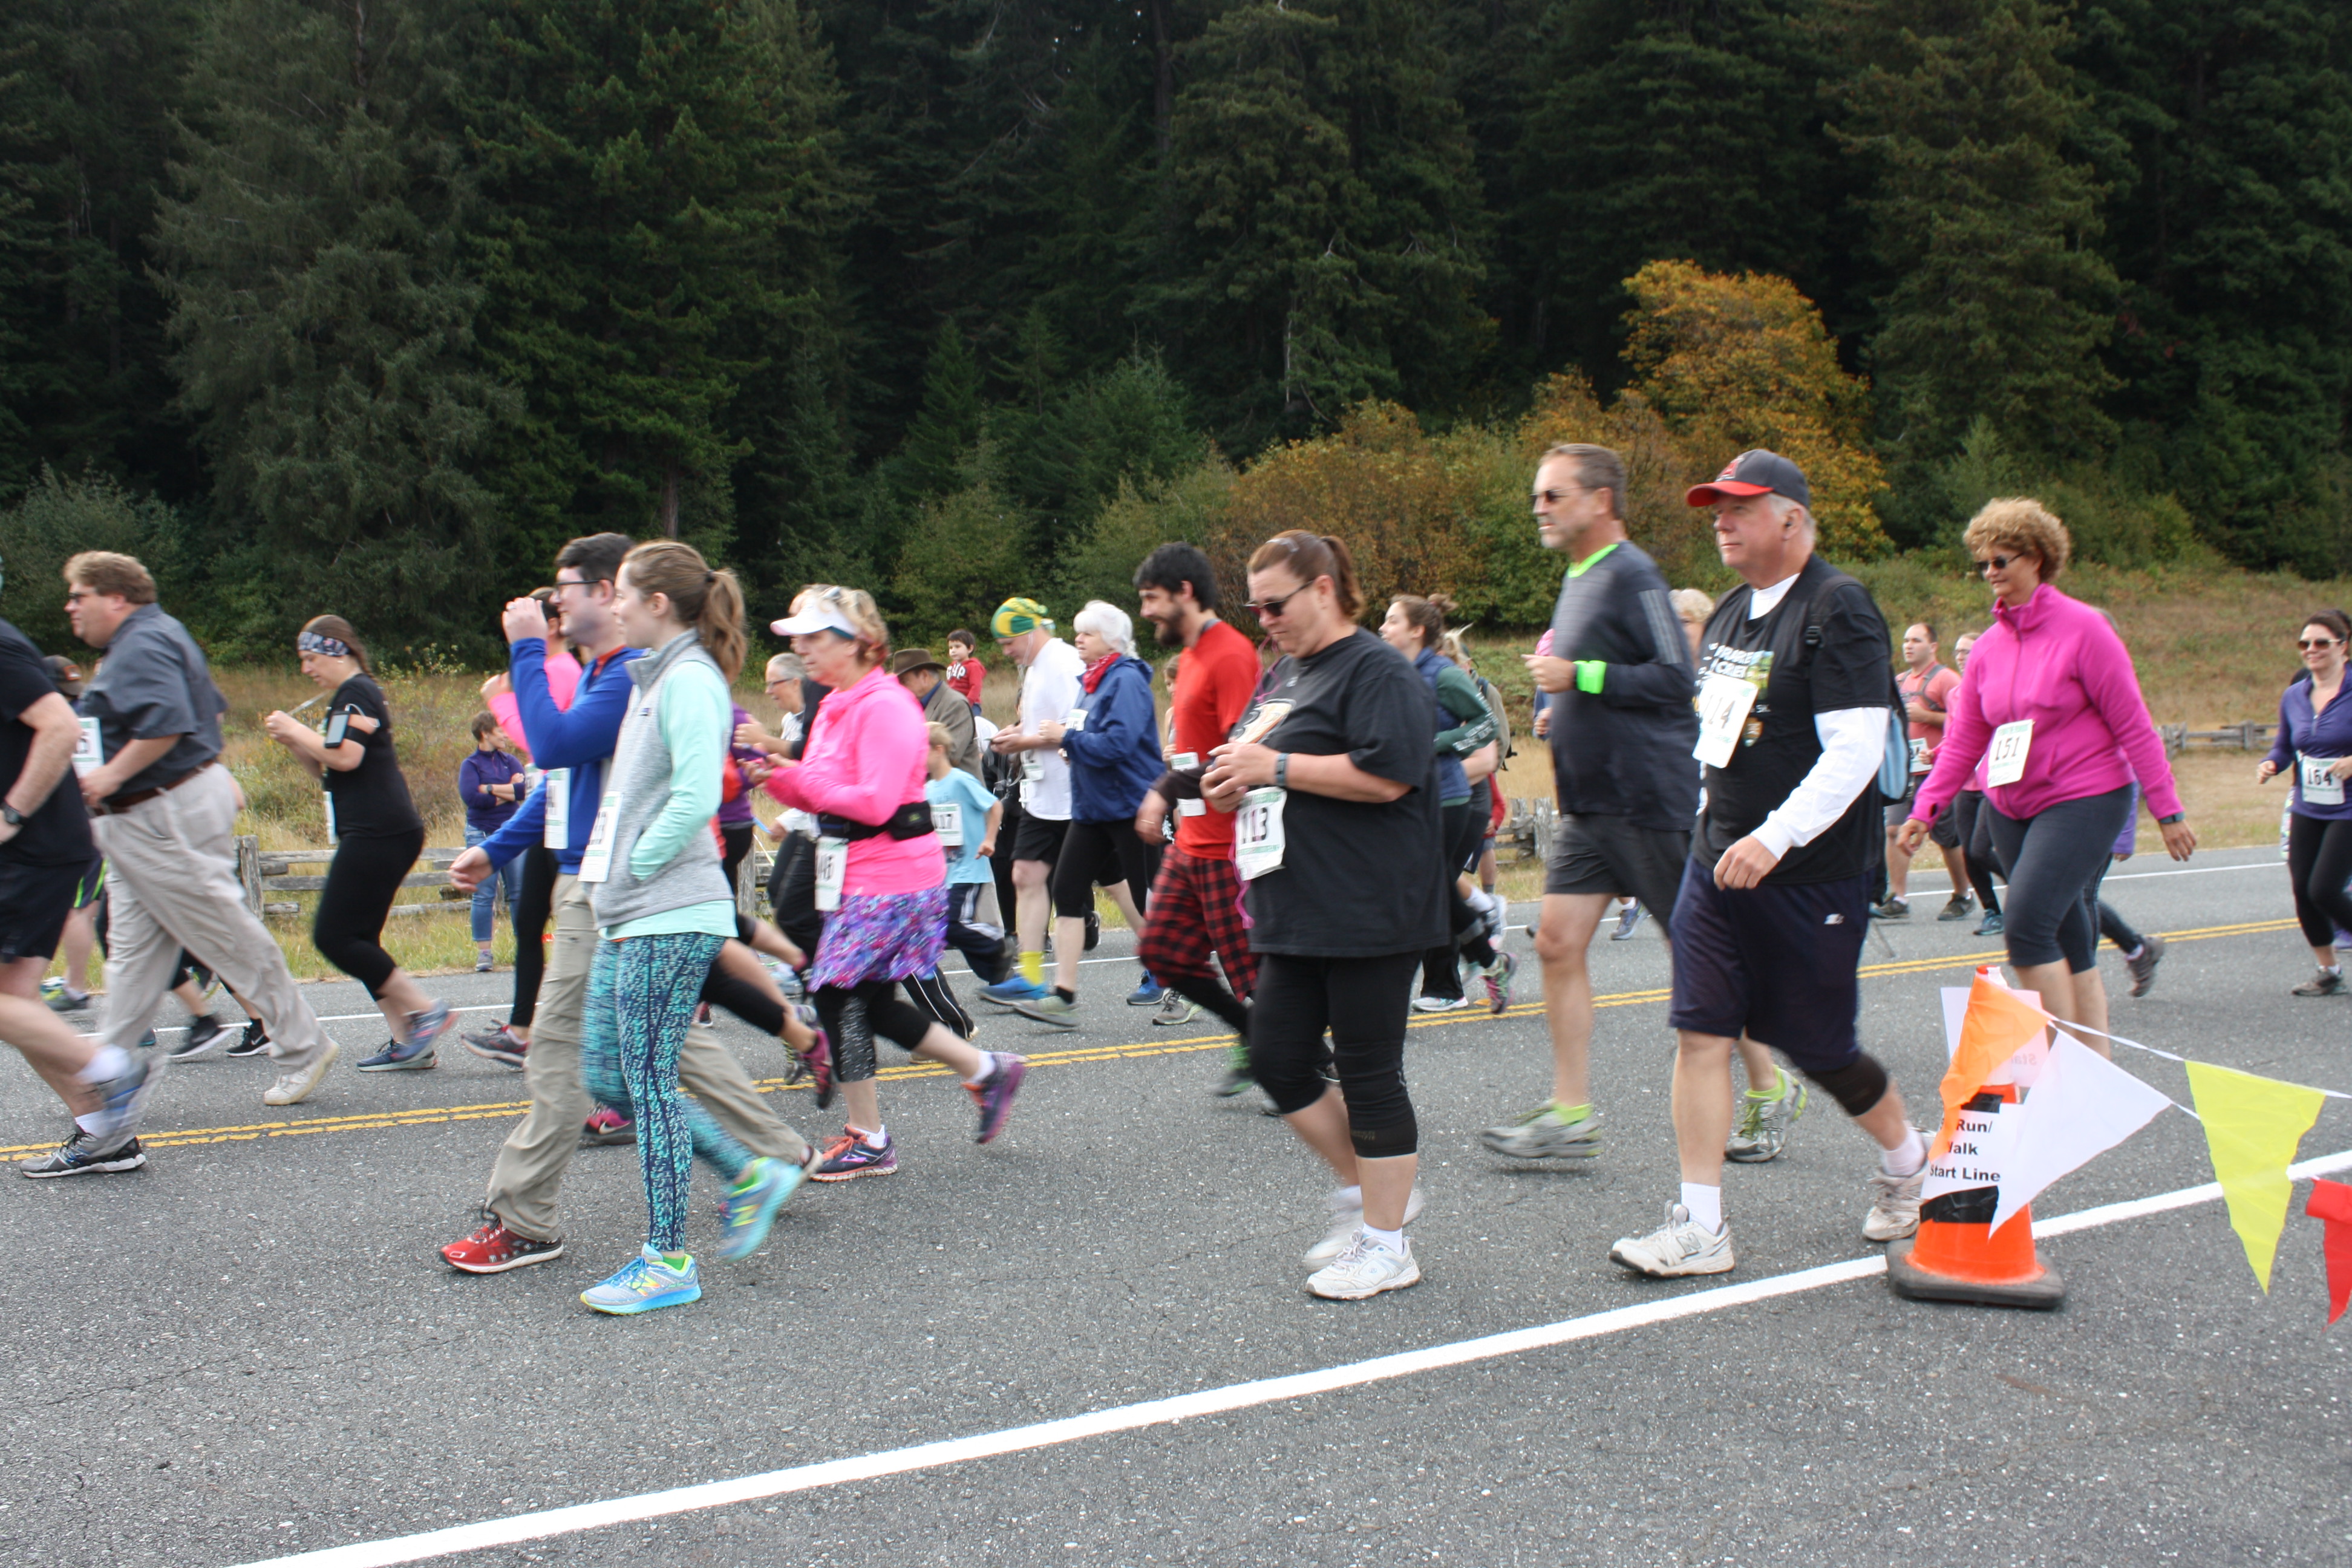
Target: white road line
(571,1520)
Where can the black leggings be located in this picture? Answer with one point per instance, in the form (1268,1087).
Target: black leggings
(1363,1002)
(792,892)
(1463,830)
(2117,930)
(361,881)
(532,909)
(1976,845)
(854,1014)
(1098,855)
(2319,864)
(2054,861)
(735,841)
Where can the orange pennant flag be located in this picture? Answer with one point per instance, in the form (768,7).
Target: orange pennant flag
(1997,1026)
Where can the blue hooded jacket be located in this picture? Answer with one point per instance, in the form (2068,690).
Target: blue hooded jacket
(1115,759)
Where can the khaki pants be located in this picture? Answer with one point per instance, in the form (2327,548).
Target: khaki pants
(173,884)
(531,1162)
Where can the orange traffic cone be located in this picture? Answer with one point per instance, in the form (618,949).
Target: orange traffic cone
(1956,1256)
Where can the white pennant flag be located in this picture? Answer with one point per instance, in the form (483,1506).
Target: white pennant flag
(2081,1106)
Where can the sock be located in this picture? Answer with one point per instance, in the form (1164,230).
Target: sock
(1066,995)
(2133,956)
(1032,968)
(1906,1159)
(1779,1087)
(1391,1239)
(681,1261)
(105,1064)
(1349,1197)
(1481,901)
(93,1124)
(2331,968)
(874,1140)
(1572,1113)
(987,1071)
(1706,1204)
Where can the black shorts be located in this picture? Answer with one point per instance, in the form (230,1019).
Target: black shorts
(93,882)
(1040,838)
(1096,855)
(34,903)
(1943,833)
(1898,812)
(1775,963)
(1592,853)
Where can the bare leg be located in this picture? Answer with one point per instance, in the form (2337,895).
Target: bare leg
(1032,903)
(1387,1188)
(1323,1127)
(79,941)
(48,1042)
(1955,867)
(1701,1106)
(2063,997)
(402,996)
(1887,1120)
(767,938)
(1564,932)
(1757,1059)
(1898,865)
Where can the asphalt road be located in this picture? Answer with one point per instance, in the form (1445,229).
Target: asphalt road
(251,1350)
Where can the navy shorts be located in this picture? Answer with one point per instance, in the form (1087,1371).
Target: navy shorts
(1775,963)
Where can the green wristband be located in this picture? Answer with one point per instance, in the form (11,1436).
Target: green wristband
(1589,673)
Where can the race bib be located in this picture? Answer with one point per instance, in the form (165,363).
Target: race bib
(1258,841)
(596,859)
(1185,762)
(1076,721)
(1032,767)
(1193,807)
(2320,787)
(2005,759)
(1919,764)
(832,871)
(947,821)
(86,757)
(558,832)
(1724,701)
(332,837)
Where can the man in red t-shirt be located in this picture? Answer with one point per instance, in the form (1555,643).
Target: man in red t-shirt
(1926,686)
(1195,906)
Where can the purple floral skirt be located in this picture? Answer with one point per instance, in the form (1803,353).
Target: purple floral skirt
(882,936)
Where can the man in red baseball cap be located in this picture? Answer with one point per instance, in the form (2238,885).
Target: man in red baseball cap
(1756,473)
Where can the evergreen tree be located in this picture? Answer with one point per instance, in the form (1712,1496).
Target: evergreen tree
(1130,424)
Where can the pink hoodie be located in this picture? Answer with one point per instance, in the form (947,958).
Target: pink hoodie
(2058,662)
(865,759)
(562,682)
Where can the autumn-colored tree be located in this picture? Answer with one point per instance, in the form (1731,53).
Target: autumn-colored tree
(1732,363)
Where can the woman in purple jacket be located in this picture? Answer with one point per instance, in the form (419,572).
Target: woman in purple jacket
(2314,745)
(490,784)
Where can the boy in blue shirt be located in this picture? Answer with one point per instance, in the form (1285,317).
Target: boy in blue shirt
(966,816)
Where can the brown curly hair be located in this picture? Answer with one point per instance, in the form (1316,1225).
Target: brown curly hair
(2024,525)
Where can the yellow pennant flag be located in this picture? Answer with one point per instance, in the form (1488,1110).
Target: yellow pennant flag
(2252,1126)
(1997,1025)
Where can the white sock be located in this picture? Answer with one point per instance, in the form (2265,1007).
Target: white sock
(1706,1204)
(2133,956)
(105,1064)
(1906,1159)
(1347,1197)
(1481,900)
(95,1125)
(872,1140)
(987,1069)
(2330,969)
(1391,1239)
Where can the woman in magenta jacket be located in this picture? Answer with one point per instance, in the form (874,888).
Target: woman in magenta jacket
(2051,707)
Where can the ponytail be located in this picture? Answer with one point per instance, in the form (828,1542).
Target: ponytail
(1308,556)
(709,601)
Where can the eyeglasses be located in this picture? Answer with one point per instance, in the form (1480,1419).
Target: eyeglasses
(1553,498)
(79,594)
(2307,644)
(1273,609)
(562,583)
(1998,562)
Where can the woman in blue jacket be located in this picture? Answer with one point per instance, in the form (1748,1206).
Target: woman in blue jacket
(1112,741)
(2314,748)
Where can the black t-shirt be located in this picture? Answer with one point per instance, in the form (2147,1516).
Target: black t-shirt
(1357,878)
(56,833)
(372,800)
(1850,669)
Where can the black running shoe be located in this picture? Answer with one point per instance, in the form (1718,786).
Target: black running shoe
(204,1034)
(80,1155)
(1094,931)
(254,1042)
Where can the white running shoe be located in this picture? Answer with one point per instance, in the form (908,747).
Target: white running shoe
(1366,1268)
(1347,1219)
(1681,1246)
(1440,1003)
(294,1087)
(1895,1206)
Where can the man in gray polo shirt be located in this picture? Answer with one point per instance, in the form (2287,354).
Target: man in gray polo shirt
(165,816)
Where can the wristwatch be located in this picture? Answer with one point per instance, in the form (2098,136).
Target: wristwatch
(2168,821)
(1282,770)
(11,815)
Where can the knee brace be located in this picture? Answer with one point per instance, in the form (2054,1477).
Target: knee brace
(1857,1086)
(1389,1142)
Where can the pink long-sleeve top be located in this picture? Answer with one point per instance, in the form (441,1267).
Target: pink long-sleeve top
(562,682)
(863,759)
(2058,662)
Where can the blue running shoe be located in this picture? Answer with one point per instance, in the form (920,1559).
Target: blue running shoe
(751,1205)
(398,1058)
(429,1026)
(1012,991)
(645,1282)
(1148,993)
(995,1098)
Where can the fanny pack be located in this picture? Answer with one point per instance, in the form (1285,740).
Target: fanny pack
(911,820)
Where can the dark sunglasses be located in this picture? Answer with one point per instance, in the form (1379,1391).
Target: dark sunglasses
(1553,498)
(1998,562)
(2307,644)
(1269,609)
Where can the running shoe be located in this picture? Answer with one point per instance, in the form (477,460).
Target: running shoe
(1347,1220)
(203,1035)
(643,1284)
(1237,1073)
(501,1045)
(1366,1268)
(1094,930)
(70,1002)
(395,1056)
(606,1127)
(1992,925)
(1012,991)
(2322,983)
(1681,1246)
(82,1156)
(1764,1123)
(849,1157)
(1892,909)
(254,1042)
(1176,1010)
(1052,1009)
(995,1098)
(1895,1206)
(482,962)
(494,1249)
(1629,921)
(1497,976)
(1147,992)
(1440,1003)
(1544,1134)
(426,1027)
(1958,909)
(817,1062)
(123,1101)
(2143,968)
(292,1088)
(751,1204)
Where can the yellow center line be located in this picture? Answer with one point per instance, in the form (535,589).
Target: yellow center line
(1076,1056)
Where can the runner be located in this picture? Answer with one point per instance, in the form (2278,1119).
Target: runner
(2062,730)
(1051,685)
(1195,907)
(2314,744)
(881,876)
(1111,740)
(166,819)
(1795,701)
(1966,827)
(1926,687)
(967,818)
(376,833)
(1336,783)
(45,855)
(518,1224)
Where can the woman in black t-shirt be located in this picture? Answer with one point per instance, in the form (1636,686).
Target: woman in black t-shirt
(1338,841)
(376,833)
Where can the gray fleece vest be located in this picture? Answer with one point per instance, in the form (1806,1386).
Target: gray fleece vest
(640,771)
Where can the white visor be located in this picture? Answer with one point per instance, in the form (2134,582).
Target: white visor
(809,621)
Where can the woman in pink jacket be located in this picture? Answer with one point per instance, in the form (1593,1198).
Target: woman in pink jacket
(881,875)
(2051,706)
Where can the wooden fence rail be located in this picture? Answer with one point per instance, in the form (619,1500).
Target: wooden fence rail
(2246,737)
(267,871)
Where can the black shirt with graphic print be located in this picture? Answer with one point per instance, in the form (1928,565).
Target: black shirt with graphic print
(372,800)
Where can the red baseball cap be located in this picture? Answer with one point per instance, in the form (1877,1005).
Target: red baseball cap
(1755,473)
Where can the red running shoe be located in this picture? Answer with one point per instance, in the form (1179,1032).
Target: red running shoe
(494,1249)
(606,1126)
(849,1157)
(818,1060)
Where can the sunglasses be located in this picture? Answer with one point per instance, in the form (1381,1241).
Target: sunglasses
(1998,562)
(1553,498)
(1272,609)
(2307,644)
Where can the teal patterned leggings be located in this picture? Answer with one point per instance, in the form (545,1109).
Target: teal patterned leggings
(642,992)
